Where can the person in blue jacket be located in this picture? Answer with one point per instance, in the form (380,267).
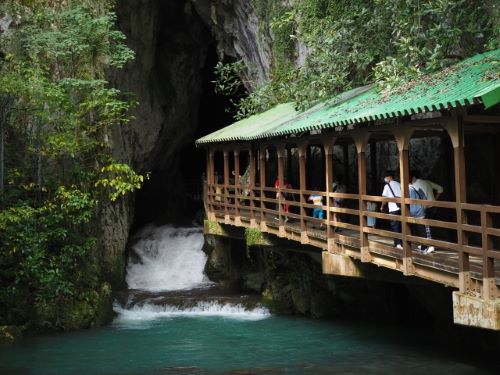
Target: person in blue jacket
(418,211)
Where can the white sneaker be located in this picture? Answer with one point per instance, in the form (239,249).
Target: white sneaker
(422,249)
(430,249)
(399,246)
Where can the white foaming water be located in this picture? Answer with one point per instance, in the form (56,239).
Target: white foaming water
(148,312)
(169,259)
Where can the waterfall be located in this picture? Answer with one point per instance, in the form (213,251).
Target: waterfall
(167,258)
(166,280)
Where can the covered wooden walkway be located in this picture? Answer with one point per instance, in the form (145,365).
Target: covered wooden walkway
(467,235)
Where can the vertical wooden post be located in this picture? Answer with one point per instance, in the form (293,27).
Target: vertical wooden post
(226,187)
(212,182)
(251,188)
(403,137)
(280,150)
(206,185)
(289,172)
(262,160)
(455,130)
(237,187)
(361,143)
(328,147)
(302,168)
(489,285)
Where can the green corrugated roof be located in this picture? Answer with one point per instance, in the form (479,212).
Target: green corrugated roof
(474,80)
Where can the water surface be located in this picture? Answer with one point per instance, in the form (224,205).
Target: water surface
(227,344)
(175,321)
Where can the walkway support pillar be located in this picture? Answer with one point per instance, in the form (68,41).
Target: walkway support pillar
(262,161)
(302,174)
(208,186)
(456,133)
(226,187)
(237,187)
(251,188)
(403,134)
(328,147)
(361,142)
(280,150)
(215,181)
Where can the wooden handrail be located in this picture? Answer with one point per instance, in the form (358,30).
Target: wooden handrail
(231,200)
(343,196)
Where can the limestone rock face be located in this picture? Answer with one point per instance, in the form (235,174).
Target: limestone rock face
(170,43)
(235,25)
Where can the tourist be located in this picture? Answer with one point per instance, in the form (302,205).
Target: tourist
(392,189)
(217,178)
(317,201)
(418,211)
(283,197)
(428,187)
(338,187)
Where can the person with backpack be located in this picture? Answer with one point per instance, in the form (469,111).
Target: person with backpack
(428,187)
(392,189)
(418,211)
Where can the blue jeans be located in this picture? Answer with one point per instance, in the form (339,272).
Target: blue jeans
(318,213)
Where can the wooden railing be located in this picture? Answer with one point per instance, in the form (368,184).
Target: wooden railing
(471,245)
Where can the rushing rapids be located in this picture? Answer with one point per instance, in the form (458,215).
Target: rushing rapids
(165,279)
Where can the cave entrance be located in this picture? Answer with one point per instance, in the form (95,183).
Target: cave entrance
(174,191)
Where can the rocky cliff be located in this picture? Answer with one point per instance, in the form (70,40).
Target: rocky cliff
(240,35)
(170,42)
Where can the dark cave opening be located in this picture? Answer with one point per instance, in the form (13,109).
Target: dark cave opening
(174,191)
(214,114)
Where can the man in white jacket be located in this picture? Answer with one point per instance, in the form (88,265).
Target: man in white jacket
(392,189)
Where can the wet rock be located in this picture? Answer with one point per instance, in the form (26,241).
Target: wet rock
(10,334)
(253,281)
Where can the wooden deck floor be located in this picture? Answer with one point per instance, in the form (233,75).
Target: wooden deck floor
(440,260)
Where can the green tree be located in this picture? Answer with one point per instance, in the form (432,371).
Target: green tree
(352,43)
(58,164)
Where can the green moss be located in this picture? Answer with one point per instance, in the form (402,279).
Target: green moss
(90,310)
(213,227)
(254,237)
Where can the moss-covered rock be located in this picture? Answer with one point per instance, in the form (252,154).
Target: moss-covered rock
(91,310)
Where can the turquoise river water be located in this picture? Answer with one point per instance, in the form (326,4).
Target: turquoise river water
(197,344)
(209,336)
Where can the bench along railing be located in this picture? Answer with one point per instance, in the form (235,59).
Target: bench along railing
(479,229)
